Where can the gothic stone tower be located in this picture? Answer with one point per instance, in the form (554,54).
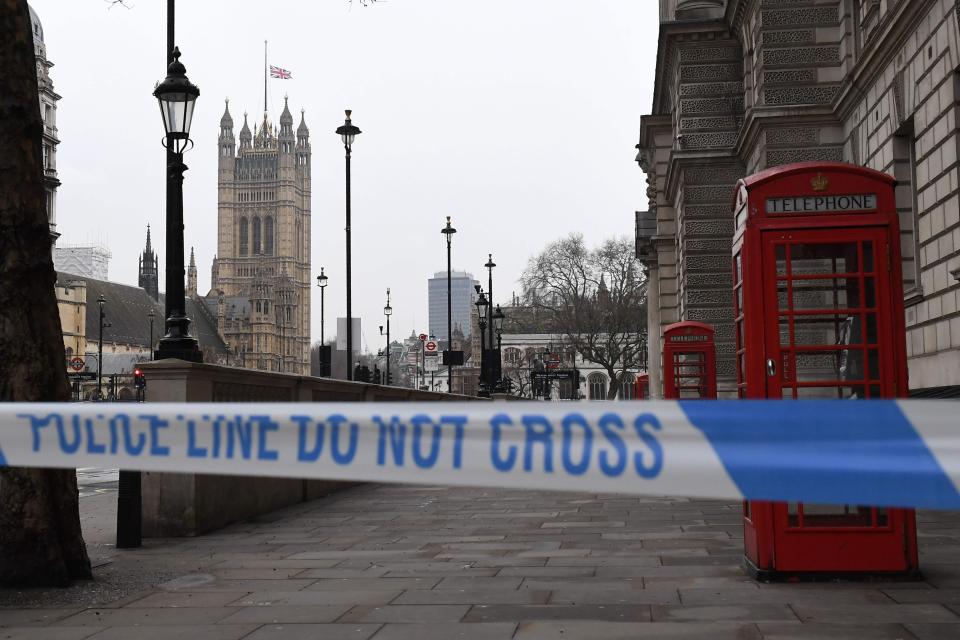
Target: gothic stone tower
(263,244)
(149,278)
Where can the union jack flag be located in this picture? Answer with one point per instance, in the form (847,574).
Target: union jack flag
(277,72)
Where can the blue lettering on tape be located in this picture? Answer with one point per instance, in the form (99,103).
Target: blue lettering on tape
(500,463)
(829,452)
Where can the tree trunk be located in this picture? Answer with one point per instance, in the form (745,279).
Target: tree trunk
(40,538)
(614,385)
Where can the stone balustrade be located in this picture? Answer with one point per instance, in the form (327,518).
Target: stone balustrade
(176,504)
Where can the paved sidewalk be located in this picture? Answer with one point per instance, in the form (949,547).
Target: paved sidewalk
(422,563)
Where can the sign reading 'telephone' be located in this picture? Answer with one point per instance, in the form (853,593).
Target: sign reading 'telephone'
(822,204)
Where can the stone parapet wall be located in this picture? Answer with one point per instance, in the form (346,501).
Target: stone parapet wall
(176,504)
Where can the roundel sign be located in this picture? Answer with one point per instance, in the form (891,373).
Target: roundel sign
(431,346)
(76,363)
(423,337)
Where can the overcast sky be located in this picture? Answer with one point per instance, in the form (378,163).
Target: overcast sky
(516,118)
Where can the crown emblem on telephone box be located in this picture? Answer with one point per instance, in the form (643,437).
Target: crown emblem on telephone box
(819,182)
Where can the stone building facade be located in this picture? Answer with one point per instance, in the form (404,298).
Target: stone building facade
(261,275)
(48,112)
(745,85)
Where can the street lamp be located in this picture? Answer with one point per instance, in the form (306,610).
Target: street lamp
(176,96)
(323,354)
(100,301)
(151,315)
(498,319)
(348,133)
(482,310)
(388,311)
(493,359)
(449,231)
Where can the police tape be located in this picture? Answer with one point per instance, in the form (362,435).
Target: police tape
(893,453)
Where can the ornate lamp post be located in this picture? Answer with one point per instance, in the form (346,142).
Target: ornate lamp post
(448,231)
(348,133)
(176,95)
(498,319)
(100,301)
(151,315)
(322,353)
(482,311)
(388,311)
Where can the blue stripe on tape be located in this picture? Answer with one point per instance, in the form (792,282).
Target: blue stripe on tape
(824,451)
(3,460)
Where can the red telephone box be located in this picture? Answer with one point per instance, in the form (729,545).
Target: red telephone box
(689,361)
(818,304)
(641,388)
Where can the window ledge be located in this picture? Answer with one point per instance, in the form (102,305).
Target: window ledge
(912,297)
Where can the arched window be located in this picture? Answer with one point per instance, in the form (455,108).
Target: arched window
(627,387)
(597,386)
(256,236)
(244,236)
(268,236)
(513,356)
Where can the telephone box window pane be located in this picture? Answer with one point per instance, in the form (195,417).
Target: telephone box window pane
(793,514)
(875,391)
(815,366)
(851,392)
(831,515)
(738,268)
(869,293)
(787,393)
(882,517)
(873,365)
(824,330)
(818,259)
(872,328)
(781,256)
(826,293)
(851,364)
(868,257)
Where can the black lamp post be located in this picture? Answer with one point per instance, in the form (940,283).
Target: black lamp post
(498,319)
(323,354)
(151,315)
(348,133)
(388,311)
(482,311)
(100,301)
(176,95)
(449,231)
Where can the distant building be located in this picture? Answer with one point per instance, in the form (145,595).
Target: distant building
(89,261)
(462,296)
(48,111)
(261,278)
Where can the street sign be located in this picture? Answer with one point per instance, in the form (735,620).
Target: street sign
(83,375)
(76,363)
(431,362)
(556,374)
(423,337)
(430,347)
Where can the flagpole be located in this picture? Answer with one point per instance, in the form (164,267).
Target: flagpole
(264,76)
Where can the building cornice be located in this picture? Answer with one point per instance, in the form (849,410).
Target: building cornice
(681,159)
(753,124)
(670,33)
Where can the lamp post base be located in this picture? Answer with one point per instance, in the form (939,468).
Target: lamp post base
(179,348)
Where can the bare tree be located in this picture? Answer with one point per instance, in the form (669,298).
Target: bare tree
(40,538)
(595,298)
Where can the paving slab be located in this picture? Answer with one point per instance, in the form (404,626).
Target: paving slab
(32,617)
(594,630)
(47,633)
(447,631)
(286,614)
(183,632)
(407,613)
(863,631)
(314,632)
(518,613)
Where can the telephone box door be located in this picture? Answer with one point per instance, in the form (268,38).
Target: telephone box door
(834,323)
